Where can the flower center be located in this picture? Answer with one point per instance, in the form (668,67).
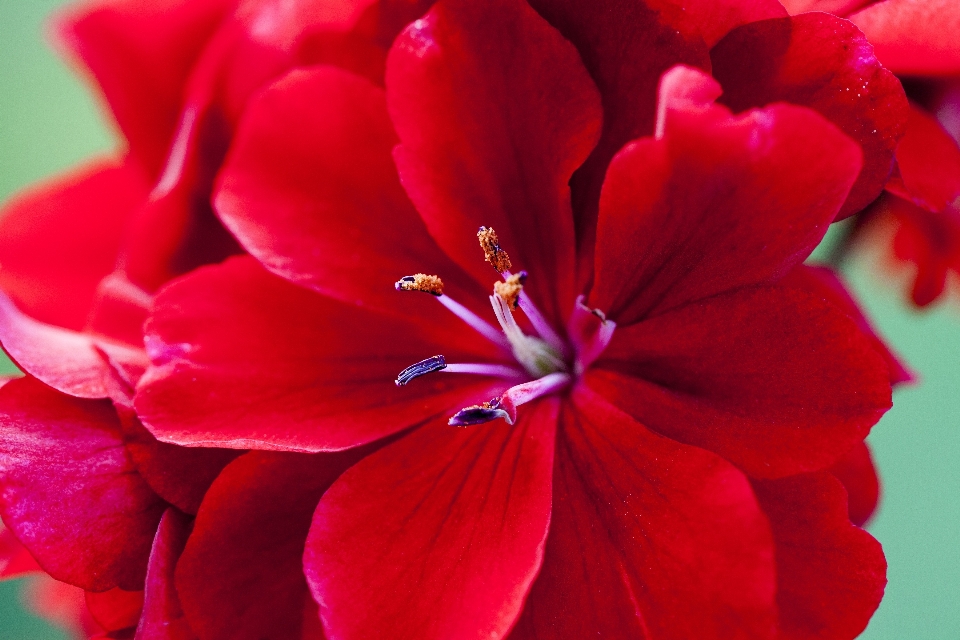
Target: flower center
(547,362)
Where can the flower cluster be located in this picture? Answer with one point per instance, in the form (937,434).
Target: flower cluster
(458,319)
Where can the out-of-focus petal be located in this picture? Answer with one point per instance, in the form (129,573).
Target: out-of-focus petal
(859,477)
(928,160)
(58,240)
(825,63)
(115,610)
(141,53)
(914,37)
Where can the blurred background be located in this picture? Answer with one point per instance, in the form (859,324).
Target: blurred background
(49,121)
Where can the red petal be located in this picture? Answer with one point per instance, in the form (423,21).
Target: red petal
(825,63)
(825,283)
(162,617)
(179,475)
(859,477)
(830,574)
(15,560)
(250,535)
(116,609)
(649,539)
(141,54)
(928,160)
(244,359)
(70,493)
(772,379)
(311,190)
(717,203)
(836,7)
(59,239)
(495,111)
(914,37)
(928,240)
(78,364)
(438,535)
(626,47)
(713,19)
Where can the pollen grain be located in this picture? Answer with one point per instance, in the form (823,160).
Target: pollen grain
(492,251)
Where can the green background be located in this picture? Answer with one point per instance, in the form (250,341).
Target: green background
(49,121)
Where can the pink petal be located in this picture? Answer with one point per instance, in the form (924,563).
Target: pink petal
(244,359)
(928,160)
(914,37)
(836,7)
(825,63)
(859,477)
(830,573)
(717,203)
(311,190)
(162,617)
(250,535)
(773,379)
(59,239)
(495,111)
(438,535)
(63,451)
(649,539)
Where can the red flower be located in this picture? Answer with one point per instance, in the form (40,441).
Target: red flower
(664,384)
(681,381)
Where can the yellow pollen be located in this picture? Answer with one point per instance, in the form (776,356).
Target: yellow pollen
(492,251)
(421,282)
(510,289)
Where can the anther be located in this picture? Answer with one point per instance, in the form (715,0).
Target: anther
(510,288)
(422,368)
(421,282)
(478,414)
(492,251)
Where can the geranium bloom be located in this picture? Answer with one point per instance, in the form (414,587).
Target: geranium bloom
(672,375)
(626,438)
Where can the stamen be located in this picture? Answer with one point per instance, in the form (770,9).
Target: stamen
(492,252)
(420,282)
(482,369)
(510,288)
(478,414)
(506,405)
(590,331)
(478,324)
(422,368)
(536,356)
